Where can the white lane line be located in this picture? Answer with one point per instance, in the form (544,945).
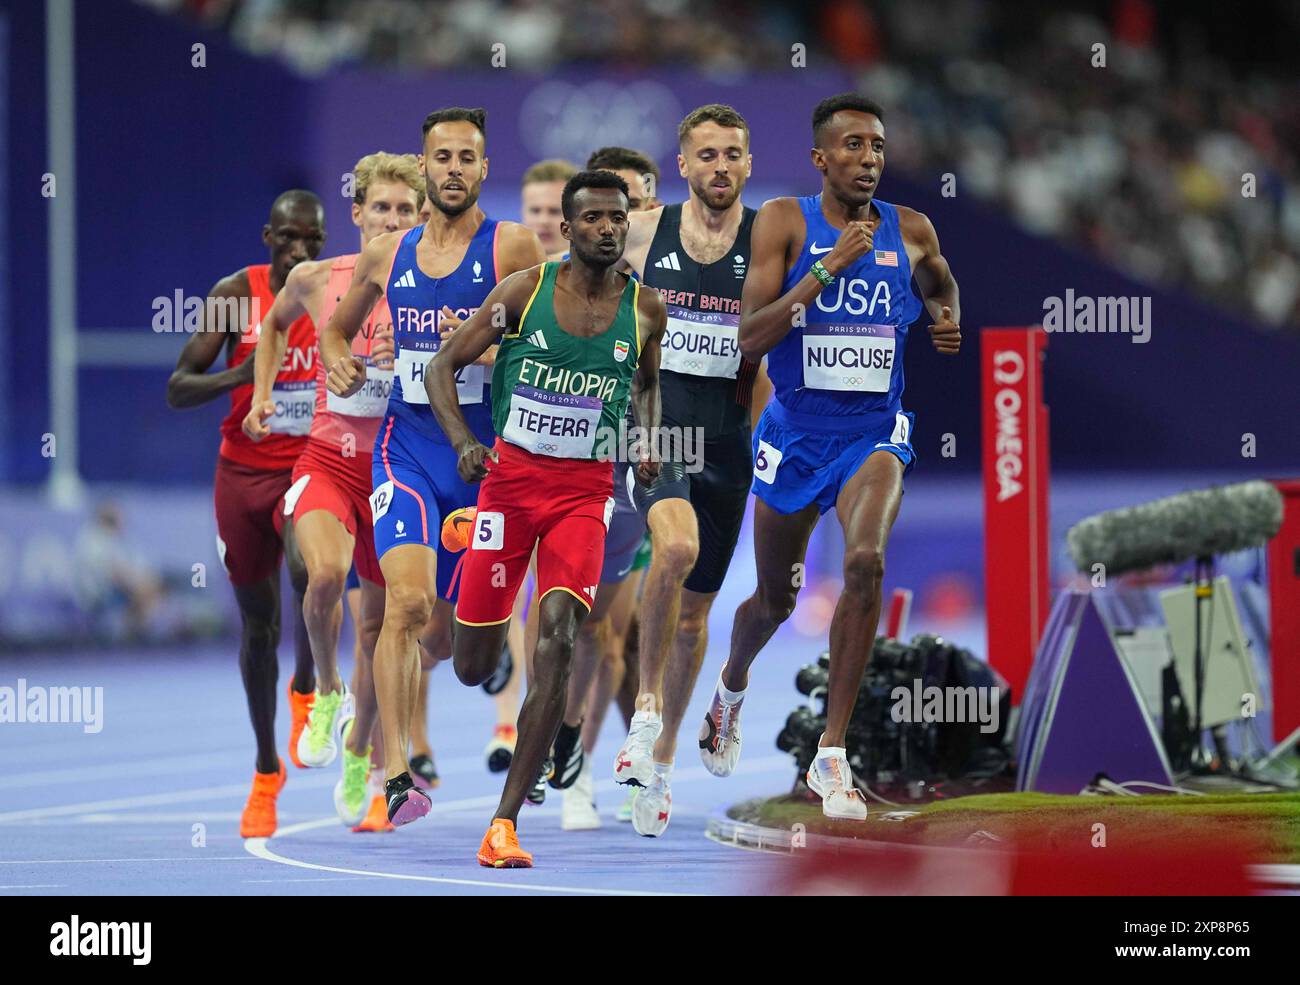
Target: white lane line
(219,760)
(149,800)
(39,885)
(87,861)
(258,847)
(315,879)
(159,766)
(315,780)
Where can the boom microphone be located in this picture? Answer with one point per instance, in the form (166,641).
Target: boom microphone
(1178,528)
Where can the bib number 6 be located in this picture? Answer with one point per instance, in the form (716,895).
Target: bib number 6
(766,462)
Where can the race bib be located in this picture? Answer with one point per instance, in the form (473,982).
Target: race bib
(848,357)
(766,461)
(557,424)
(380,500)
(489,531)
(413,357)
(371,400)
(295,406)
(701,343)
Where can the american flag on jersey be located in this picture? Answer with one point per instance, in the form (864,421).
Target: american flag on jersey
(886,258)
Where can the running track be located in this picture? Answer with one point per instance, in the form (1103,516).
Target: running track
(114,813)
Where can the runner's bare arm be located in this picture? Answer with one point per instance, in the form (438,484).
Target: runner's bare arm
(345,374)
(502,309)
(641,229)
(518,248)
(766,315)
(645,384)
(191,385)
(934,278)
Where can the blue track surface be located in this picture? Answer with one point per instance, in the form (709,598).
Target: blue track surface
(115,812)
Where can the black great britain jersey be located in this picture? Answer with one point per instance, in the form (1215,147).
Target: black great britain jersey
(703,379)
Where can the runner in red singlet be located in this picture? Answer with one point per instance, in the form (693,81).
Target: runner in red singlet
(328,505)
(251,478)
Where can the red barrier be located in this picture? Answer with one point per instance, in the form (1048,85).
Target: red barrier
(1016,478)
(1284,612)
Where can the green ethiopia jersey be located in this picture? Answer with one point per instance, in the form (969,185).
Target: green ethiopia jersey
(558,394)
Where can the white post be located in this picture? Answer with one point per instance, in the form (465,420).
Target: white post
(64,487)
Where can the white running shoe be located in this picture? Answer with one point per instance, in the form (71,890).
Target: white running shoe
(635,763)
(830,778)
(720,736)
(318,745)
(652,808)
(578,804)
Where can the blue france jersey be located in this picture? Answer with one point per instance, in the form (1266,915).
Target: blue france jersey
(847,360)
(415,301)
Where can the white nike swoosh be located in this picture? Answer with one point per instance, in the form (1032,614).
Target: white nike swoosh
(816,252)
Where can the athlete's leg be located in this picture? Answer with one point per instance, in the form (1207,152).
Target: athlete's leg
(560,615)
(435,646)
(675,534)
(780,543)
(304,667)
(368,619)
(867,507)
(690,639)
(613,668)
(625,696)
(326,548)
(259,614)
(588,651)
(531,620)
(411,588)
(507,699)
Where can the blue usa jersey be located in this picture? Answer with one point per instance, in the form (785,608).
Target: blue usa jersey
(847,360)
(416,301)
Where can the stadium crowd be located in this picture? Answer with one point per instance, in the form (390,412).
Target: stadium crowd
(1170,152)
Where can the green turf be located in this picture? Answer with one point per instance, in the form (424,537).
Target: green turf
(1267,825)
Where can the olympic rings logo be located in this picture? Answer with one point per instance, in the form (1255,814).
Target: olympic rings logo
(852,380)
(694,364)
(544,447)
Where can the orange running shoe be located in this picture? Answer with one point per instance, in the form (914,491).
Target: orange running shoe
(500,848)
(377,817)
(258,819)
(299,709)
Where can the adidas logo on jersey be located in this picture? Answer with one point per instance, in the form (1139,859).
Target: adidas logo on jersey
(406,280)
(670,262)
(538,339)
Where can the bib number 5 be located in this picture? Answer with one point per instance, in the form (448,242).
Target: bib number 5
(489,531)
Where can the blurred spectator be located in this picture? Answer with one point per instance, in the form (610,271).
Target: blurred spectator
(115,587)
